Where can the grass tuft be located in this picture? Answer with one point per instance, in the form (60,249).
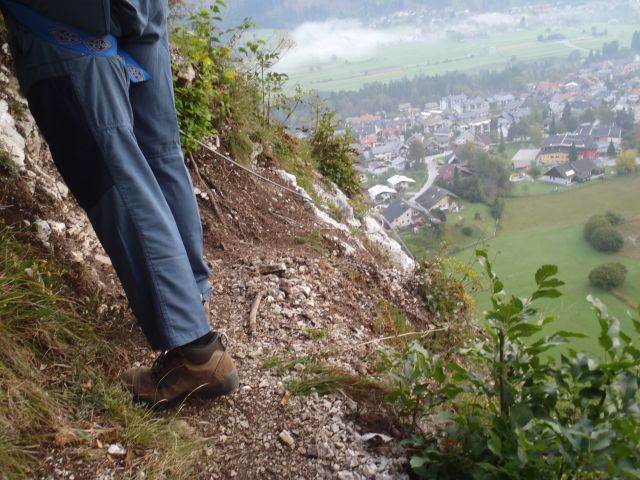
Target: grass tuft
(52,378)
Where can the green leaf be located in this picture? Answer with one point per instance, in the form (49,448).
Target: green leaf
(524,330)
(601,440)
(419,462)
(521,415)
(439,375)
(569,335)
(495,445)
(546,293)
(545,272)
(546,321)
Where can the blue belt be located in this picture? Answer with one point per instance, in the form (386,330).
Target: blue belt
(61,35)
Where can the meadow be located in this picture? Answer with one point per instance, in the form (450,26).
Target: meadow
(445,55)
(548,229)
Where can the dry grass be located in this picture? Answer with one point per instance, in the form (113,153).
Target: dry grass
(52,380)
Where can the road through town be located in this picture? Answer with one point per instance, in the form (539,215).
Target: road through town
(432,166)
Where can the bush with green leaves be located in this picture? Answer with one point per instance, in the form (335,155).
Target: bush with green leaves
(516,410)
(594,223)
(607,239)
(334,154)
(204,93)
(443,288)
(608,276)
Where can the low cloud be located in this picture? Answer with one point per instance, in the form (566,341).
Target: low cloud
(321,42)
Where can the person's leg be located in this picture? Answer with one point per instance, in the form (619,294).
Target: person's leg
(142,28)
(81,104)
(87,121)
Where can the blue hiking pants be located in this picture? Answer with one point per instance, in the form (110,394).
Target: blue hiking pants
(117,147)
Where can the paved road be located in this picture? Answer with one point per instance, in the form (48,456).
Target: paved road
(432,166)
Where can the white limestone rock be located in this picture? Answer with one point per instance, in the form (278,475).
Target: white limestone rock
(10,139)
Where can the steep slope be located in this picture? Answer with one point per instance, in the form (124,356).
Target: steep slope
(325,290)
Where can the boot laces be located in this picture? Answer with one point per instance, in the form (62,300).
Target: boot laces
(161,365)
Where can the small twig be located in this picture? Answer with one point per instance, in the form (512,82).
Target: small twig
(286,219)
(253,316)
(393,337)
(212,198)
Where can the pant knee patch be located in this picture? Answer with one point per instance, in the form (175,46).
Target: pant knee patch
(76,154)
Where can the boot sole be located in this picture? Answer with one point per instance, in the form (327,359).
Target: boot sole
(230,383)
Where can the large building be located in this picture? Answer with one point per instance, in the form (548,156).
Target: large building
(603,135)
(556,149)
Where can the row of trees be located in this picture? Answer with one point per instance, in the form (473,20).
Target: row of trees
(385,97)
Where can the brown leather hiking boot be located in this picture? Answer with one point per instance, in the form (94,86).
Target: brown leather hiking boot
(205,371)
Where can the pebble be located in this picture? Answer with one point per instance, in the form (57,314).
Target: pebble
(43,231)
(286,438)
(117,450)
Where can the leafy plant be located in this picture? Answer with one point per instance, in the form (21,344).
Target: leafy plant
(594,223)
(412,373)
(270,83)
(516,412)
(334,154)
(203,71)
(443,287)
(614,218)
(600,232)
(8,166)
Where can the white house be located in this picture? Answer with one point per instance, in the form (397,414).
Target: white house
(400,215)
(381,193)
(400,183)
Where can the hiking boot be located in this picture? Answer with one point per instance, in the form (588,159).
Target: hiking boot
(203,371)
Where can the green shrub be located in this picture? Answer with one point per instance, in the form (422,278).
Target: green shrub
(615,219)
(334,155)
(203,103)
(595,222)
(497,209)
(513,410)
(608,276)
(442,290)
(8,166)
(607,239)
(467,231)
(240,146)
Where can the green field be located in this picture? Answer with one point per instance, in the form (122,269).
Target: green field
(438,57)
(548,230)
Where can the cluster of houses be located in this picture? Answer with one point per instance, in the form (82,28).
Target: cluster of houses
(423,209)
(384,141)
(590,145)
